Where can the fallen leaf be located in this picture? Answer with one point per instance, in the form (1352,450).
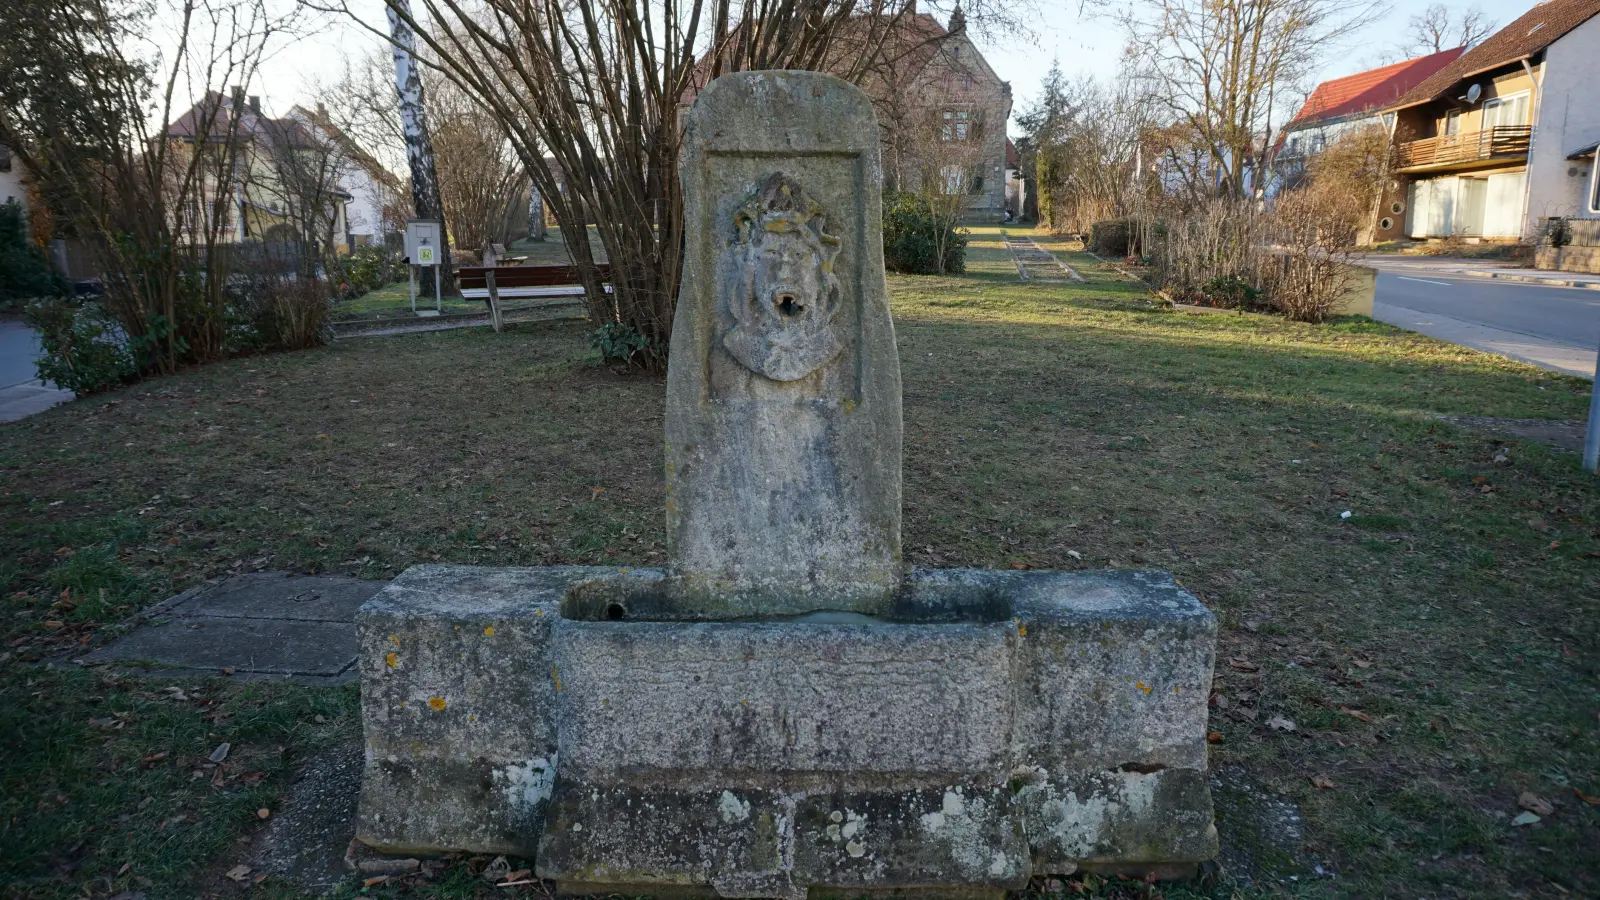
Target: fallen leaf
(1356,713)
(1592,801)
(263,813)
(152,759)
(1075,554)
(370,882)
(1322,781)
(1362,663)
(1213,737)
(238,873)
(1535,804)
(1242,664)
(518,875)
(1526,818)
(221,753)
(1279,723)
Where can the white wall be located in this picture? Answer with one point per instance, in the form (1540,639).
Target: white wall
(1569,118)
(11,186)
(365,209)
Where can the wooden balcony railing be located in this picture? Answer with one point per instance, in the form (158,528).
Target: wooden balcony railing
(1491,143)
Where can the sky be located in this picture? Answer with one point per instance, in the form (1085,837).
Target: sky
(1081,42)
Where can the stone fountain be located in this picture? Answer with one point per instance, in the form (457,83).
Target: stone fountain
(785,710)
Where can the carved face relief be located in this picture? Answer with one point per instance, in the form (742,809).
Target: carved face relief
(779,291)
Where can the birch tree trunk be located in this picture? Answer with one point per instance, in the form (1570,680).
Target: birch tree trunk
(414,128)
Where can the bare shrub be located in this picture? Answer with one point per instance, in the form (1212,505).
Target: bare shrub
(1208,253)
(1307,268)
(291,313)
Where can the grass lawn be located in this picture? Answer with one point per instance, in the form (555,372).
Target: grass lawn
(1436,650)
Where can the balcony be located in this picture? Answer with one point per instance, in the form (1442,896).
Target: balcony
(1466,150)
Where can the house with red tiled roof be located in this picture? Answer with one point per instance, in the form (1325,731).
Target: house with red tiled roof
(1502,138)
(1342,105)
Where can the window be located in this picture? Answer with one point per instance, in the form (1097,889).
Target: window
(954,177)
(1594,185)
(1512,110)
(955,125)
(1452,122)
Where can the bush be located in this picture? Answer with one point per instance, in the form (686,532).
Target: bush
(914,242)
(85,349)
(24,271)
(620,343)
(270,312)
(297,313)
(1111,238)
(367,269)
(1230,292)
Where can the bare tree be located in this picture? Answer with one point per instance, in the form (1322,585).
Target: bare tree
(414,128)
(1440,28)
(600,86)
(298,172)
(1223,69)
(481,180)
(87,91)
(1088,136)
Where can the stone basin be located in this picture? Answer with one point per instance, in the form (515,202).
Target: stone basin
(991,727)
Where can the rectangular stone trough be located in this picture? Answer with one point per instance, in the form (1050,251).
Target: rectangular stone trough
(995,726)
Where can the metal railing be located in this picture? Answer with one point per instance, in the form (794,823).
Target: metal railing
(1489,143)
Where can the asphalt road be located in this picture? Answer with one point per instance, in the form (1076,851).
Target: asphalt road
(19,347)
(1554,327)
(1562,315)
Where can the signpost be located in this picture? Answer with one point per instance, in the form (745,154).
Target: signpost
(423,249)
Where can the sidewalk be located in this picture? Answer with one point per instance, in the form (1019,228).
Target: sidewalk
(1480,268)
(21,393)
(1526,348)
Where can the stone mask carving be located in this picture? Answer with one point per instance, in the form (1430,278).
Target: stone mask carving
(779,290)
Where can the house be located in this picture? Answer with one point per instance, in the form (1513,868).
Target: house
(1344,105)
(378,206)
(298,179)
(13,179)
(1494,143)
(943,111)
(941,108)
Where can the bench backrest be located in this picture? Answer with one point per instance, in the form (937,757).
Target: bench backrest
(523,276)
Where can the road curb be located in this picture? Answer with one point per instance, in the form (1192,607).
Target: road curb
(1531,279)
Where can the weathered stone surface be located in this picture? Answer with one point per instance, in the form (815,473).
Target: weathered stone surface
(1003,724)
(457,701)
(779,700)
(783,395)
(259,625)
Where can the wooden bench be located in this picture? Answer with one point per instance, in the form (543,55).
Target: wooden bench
(493,284)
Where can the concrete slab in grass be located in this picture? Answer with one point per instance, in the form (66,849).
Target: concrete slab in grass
(261,625)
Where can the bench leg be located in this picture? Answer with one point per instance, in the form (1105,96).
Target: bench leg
(494,302)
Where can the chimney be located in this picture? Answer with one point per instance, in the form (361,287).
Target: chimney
(322,111)
(255,104)
(238,97)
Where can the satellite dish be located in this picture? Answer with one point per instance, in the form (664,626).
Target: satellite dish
(1474,92)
